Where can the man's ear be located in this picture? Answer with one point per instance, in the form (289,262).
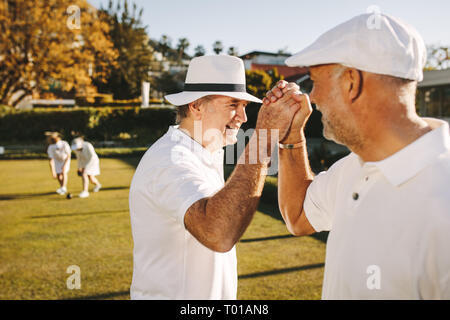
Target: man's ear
(194,108)
(353,78)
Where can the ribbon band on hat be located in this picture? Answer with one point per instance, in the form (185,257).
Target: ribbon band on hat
(225,87)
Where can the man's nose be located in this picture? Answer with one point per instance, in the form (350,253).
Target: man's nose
(241,115)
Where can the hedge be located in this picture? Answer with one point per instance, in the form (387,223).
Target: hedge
(133,126)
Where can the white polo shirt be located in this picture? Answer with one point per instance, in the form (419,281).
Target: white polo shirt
(88,159)
(169,263)
(59,152)
(389,222)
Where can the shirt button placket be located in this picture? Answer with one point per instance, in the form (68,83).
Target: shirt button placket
(359,187)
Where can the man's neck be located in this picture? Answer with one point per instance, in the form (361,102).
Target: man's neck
(390,137)
(196,133)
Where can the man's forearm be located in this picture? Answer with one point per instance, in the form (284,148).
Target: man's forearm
(294,177)
(228,213)
(234,206)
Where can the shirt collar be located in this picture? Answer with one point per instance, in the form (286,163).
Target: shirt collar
(204,154)
(406,163)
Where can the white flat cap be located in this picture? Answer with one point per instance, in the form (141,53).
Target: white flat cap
(77,144)
(376,43)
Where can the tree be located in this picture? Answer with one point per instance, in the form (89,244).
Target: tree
(165,45)
(217,47)
(438,57)
(199,51)
(169,83)
(52,41)
(182,45)
(135,55)
(232,51)
(258,83)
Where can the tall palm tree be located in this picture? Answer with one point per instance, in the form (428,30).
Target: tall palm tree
(165,44)
(182,45)
(232,51)
(217,47)
(199,51)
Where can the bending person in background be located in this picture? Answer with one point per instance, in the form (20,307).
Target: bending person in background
(88,165)
(59,154)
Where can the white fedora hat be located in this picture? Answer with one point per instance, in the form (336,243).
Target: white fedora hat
(213,75)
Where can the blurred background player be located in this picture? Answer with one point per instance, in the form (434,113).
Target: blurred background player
(88,165)
(59,154)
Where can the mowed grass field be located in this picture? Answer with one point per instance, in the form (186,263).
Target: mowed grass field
(42,234)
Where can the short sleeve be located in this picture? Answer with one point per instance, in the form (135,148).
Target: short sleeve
(316,205)
(320,199)
(90,147)
(89,152)
(176,188)
(50,152)
(67,148)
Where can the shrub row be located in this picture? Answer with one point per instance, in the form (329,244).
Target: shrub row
(133,126)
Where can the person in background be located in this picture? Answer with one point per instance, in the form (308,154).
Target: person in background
(59,154)
(88,165)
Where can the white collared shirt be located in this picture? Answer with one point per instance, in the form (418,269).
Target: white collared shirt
(59,152)
(389,222)
(169,263)
(88,159)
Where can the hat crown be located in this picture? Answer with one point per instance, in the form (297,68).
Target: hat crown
(376,42)
(213,75)
(216,69)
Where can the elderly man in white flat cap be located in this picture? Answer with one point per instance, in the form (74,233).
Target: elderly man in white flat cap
(387,204)
(185,220)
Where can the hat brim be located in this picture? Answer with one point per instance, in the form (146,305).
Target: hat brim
(185,97)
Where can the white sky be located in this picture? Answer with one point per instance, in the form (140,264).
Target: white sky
(265,25)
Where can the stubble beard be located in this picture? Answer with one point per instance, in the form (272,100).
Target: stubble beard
(230,136)
(341,132)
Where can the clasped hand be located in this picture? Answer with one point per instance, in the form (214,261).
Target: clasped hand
(287,109)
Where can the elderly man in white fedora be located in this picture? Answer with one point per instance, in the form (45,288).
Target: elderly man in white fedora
(386,204)
(185,220)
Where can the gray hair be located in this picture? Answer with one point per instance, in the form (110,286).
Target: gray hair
(182,112)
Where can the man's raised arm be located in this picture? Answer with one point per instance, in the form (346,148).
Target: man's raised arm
(218,222)
(294,174)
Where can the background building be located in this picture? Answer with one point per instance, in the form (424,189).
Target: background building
(433,95)
(265,61)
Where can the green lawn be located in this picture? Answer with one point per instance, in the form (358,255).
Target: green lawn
(42,233)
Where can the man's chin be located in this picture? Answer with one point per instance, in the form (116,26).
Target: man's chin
(229,139)
(331,136)
(230,136)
